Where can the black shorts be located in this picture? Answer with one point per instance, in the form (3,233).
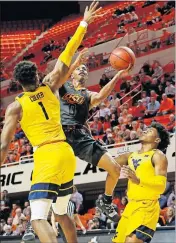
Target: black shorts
(84,146)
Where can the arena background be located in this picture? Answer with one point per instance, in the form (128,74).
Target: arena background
(31,27)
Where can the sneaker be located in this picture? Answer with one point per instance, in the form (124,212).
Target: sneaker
(108,209)
(29,234)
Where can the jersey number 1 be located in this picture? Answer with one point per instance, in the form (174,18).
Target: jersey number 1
(43,109)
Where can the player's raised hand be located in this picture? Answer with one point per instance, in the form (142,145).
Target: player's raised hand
(124,72)
(92,12)
(82,57)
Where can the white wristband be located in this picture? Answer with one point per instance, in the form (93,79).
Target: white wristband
(84,24)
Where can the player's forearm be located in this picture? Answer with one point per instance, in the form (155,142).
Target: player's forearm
(73,44)
(106,90)
(157,182)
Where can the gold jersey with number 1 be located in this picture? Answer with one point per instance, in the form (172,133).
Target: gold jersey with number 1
(41,120)
(41,124)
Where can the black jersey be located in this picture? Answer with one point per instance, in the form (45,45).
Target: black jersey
(74,105)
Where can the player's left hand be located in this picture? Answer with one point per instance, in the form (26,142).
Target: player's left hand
(130,174)
(82,57)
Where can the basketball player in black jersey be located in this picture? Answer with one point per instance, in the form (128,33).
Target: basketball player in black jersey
(76,101)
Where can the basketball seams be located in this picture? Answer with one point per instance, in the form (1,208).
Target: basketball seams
(127,53)
(120,58)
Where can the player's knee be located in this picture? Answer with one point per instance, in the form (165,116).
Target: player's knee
(115,170)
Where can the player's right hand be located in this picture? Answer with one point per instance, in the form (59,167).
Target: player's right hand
(125,72)
(82,57)
(92,12)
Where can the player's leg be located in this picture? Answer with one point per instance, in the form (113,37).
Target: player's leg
(91,151)
(64,194)
(66,223)
(39,213)
(109,164)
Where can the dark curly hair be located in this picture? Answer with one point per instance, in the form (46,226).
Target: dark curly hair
(25,73)
(163,135)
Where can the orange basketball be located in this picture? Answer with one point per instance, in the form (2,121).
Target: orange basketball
(122,57)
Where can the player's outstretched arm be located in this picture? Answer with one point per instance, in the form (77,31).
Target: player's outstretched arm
(12,117)
(122,159)
(97,98)
(58,77)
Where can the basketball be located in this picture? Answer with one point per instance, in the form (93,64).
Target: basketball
(121,58)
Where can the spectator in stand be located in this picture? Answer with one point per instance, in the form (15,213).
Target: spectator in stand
(113,120)
(4,209)
(100,216)
(19,217)
(14,207)
(19,230)
(152,108)
(103,81)
(96,127)
(77,198)
(139,111)
(171,199)
(9,222)
(153,94)
(167,105)
(5,197)
(23,151)
(26,204)
(135,47)
(126,135)
(139,132)
(145,99)
(129,121)
(103,111)
(161,90)
(156,16)
(114,101)
(11,158)
(96,224)
(170,90)
(166,37)
(147,69)
(171,124)
(119,137)
(158,70)
(125,86)
(121,204)
(134,16)
(124,115)
(121,30)
(166,7)
(134,126)
(29,150)
(133,135)
(158,8)
(146,82)
(170,216)
(8,230)
(117,13)
(106,123)
(154,85)
(150,20)
(105,137)
(142,125)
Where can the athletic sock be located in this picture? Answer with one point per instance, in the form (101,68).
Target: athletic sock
(107,199)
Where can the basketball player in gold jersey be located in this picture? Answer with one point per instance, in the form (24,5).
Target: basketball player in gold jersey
(146,171)
(38,111)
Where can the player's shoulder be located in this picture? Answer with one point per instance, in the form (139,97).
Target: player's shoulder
(159,156)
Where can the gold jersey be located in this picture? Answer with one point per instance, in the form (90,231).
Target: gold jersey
(143,167)
(41,121)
